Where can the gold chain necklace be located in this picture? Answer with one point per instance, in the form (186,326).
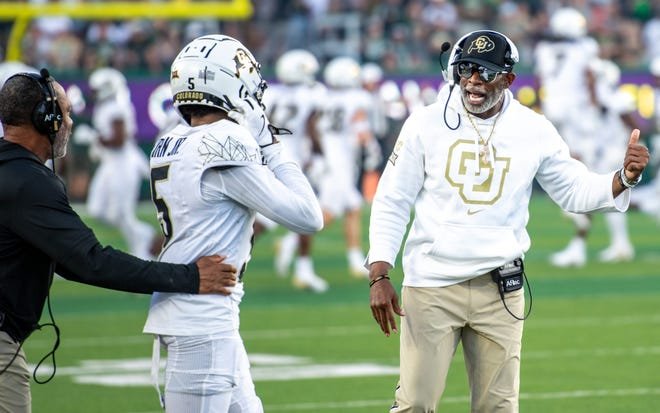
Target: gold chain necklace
(484,151)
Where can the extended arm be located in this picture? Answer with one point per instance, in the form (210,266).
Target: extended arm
(283,195)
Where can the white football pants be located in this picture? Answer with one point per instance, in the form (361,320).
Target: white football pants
(207,374)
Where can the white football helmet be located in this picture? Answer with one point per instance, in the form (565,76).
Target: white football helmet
(569,23)
(215,70)
(9,69)
(654,67)
(107,82)
(342,72)
(371,73)
(296,66)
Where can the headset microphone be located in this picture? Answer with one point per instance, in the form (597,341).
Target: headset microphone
(445,75)
(443,49)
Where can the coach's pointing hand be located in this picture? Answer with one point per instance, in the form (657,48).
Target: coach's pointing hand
(215,277)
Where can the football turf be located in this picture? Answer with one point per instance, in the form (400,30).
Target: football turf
(592,342)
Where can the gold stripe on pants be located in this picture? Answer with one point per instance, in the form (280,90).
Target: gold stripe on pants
(436,320)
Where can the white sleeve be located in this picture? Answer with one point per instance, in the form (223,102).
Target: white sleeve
(397,190)
(572,186)
(283,195)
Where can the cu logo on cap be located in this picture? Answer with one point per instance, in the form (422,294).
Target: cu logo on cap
(481,44)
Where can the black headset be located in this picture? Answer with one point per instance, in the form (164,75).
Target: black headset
(511,57)
(46,114)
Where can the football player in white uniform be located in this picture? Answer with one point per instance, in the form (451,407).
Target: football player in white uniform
(562,66)
(647,198)
(469,181)
(292,104)
(114,190)
(617,110)
(344,129)
(372,159)
(208,179)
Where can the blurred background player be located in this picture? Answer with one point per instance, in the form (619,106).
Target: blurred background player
(648,198)
(115,187)
(372,78)
(292,104)
(562,66)
(616,109)
(344,130)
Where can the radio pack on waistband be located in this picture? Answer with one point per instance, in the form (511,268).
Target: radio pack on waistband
(509,277)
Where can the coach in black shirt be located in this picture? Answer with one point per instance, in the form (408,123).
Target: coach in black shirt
(41,234)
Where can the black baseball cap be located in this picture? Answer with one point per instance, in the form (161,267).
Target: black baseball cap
(487,48)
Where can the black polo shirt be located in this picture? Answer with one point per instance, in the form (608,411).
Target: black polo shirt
(38,228)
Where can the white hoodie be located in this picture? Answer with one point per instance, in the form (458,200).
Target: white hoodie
(470,216)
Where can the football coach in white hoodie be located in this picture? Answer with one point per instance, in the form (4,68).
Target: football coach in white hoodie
(465,165)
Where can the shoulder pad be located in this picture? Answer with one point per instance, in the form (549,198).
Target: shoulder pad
(227,144)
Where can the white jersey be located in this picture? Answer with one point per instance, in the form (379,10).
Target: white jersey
(289,106)
(561,67)
(207,182)
(115,187)
(614,134)
(129,156)
(339,126)
(107,111)
(471,213)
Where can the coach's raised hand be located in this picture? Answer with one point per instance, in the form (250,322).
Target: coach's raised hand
(634,162)
(215,276)
(637,157)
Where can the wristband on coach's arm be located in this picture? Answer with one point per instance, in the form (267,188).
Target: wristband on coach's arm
(623,180)
(379,278)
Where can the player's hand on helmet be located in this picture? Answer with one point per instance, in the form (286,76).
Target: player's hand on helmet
(249,113)
(215,276)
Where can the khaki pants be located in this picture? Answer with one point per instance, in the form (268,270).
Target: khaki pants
(436,320)
(15,382)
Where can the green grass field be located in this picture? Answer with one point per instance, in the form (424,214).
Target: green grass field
(592,342)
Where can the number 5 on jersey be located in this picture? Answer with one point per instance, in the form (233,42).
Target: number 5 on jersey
(160,173)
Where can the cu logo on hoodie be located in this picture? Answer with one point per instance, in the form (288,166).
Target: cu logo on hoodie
(478,182)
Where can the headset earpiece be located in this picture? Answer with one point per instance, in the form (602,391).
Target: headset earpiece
(455,55)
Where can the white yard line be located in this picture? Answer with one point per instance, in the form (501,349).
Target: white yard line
(576,394)
(355,404)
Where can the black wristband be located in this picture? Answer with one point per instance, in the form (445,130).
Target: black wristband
(379,278)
